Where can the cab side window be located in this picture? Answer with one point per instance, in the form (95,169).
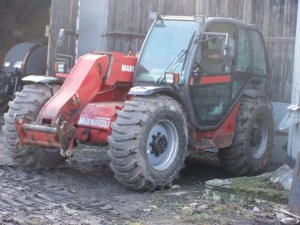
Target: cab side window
(243,54)
(259,65)
(251,56)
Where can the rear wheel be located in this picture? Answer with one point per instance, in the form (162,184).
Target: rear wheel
(28,103)
(253,142)
(148,143)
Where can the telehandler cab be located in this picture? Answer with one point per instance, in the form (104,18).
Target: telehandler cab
(198,82)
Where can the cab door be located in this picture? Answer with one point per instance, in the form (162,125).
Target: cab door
(211,79)
(216,85)
(251,62)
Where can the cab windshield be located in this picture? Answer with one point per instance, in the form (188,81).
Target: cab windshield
(166,49)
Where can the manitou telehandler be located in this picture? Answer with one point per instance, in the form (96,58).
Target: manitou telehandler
(198,82)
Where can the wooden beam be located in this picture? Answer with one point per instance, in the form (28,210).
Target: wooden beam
(64,15)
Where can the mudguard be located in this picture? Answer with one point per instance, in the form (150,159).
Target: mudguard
(151,90)
(42,79)
(253,93)
(31,56)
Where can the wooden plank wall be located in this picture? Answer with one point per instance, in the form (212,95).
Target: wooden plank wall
(275,18)
(63,14)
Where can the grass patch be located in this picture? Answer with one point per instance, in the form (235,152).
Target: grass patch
(201,218)
(134,223)
(259,188)
(157,200)
(177,206)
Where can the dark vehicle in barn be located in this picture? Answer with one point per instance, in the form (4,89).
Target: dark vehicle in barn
(21,60)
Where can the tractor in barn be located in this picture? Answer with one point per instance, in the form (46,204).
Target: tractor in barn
(198,83)
(21,60)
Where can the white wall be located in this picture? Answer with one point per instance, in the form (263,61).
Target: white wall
(294,132)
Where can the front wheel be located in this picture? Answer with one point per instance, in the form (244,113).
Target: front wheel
(148,143)
(29,103)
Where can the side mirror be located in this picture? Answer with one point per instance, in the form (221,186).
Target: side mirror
(155,16)
(61,37)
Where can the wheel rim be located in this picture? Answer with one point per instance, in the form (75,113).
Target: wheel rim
(162,145)
(258,138)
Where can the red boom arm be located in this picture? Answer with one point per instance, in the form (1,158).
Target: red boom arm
(93,75)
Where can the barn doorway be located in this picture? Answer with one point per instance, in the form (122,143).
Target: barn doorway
(22,21)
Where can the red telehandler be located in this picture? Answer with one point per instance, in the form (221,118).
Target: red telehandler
(198,83)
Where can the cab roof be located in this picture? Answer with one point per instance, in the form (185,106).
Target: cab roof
(210,20)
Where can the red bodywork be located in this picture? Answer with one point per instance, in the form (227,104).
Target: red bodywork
(220,138)
(87,104)
(96,88)
(215,79)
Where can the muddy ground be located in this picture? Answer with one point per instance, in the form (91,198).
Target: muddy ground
(83,191)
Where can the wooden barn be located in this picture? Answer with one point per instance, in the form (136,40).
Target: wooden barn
(22,21)
(275,18)
(121,25)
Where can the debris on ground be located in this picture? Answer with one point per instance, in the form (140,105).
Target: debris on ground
(255,210)
(175,187)
(186,211)
(194,205)
(285,217)
(282,177)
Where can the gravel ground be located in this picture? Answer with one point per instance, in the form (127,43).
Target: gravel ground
(83,191)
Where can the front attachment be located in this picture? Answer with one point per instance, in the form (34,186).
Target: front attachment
(54,126)
(62,136)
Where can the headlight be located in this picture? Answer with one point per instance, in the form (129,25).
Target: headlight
(6,64)
(169,78)
(18,65)
(60,67)
(172,78)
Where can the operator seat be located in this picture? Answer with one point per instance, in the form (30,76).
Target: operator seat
(212,63)
(209,101)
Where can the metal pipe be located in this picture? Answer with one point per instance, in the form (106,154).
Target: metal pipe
(41,143)
(294,131)
(294,198)
(31,127)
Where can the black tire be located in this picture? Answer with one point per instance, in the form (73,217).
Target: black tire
(252,147)
(134,125)
(3,105)
(28,103)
